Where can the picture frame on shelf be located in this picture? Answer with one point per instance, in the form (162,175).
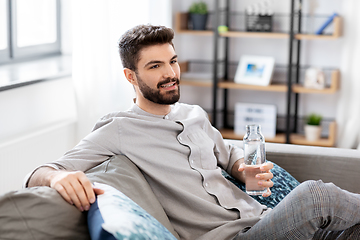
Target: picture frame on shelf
(251,113)
(255,70)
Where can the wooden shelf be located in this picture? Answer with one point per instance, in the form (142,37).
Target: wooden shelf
(294,138)
(300,140)
(232,85)
(271,87)
(335,78)
(229,84)
(254,34)
(324,142)
(181,26)
(230,134)
(184,67)
(196,82)
(337,22)
(197,32)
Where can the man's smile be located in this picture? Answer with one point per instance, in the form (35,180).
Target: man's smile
(168,84)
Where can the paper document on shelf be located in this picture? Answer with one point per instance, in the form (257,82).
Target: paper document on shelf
(251,113)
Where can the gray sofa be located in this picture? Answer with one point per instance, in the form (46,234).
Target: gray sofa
(41,213)
(340,166)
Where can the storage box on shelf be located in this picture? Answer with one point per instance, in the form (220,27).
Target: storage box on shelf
(181,27)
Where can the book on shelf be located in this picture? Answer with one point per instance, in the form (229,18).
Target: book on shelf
(326,24)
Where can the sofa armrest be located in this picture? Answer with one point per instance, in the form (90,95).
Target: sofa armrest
(42,213)
(337,165)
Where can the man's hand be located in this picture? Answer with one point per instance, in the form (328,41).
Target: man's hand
(264,178)
(75,188)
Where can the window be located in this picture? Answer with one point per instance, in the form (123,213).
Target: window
(4,31)
(29,29)
(3,24)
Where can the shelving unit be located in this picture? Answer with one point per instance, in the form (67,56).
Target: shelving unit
(230,84)
(294,138)
(290,87)
(296,88)
(181,27)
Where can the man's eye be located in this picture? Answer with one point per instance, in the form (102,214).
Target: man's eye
(173,61)
(154,66)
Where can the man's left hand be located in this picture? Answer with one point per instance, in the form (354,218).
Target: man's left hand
(264,178)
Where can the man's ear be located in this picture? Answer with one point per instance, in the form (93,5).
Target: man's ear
(130,76)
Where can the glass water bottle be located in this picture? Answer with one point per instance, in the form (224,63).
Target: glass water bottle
(254,150)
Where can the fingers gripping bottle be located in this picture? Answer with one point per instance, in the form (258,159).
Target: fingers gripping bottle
(254,150)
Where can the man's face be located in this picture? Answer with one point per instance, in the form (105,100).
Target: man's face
(158,74)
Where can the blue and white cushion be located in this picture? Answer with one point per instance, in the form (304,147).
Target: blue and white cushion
(115,216)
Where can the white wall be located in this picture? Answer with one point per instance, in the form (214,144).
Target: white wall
(32,107)
(37,126)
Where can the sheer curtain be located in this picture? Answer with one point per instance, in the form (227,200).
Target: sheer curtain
(348,115)
(100,85)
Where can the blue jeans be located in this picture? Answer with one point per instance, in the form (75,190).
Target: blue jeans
(313,210)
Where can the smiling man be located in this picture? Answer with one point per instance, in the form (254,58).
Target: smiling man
(181,156)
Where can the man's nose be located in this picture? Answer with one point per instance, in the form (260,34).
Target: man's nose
(169,72)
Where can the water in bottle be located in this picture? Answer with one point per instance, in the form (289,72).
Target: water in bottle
(254,150)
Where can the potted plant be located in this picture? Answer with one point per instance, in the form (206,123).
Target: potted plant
(198,15)
(313,127)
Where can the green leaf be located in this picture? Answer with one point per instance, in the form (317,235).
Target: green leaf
(314,119)
(198,8)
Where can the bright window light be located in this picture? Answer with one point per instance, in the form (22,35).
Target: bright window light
(36,22)
(3,25)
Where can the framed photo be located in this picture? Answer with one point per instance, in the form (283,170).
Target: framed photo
(255,70)
(250,113)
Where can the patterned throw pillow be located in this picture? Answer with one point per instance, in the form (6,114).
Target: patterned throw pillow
(115,216)
(284,183)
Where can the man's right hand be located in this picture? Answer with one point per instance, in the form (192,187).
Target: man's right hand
(74,187)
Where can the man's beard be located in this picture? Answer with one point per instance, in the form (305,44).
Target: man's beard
(155,95)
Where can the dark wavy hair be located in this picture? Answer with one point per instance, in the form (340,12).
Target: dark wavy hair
(135,39)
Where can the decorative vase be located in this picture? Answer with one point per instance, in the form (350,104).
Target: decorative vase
(312,132)
(198,21)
